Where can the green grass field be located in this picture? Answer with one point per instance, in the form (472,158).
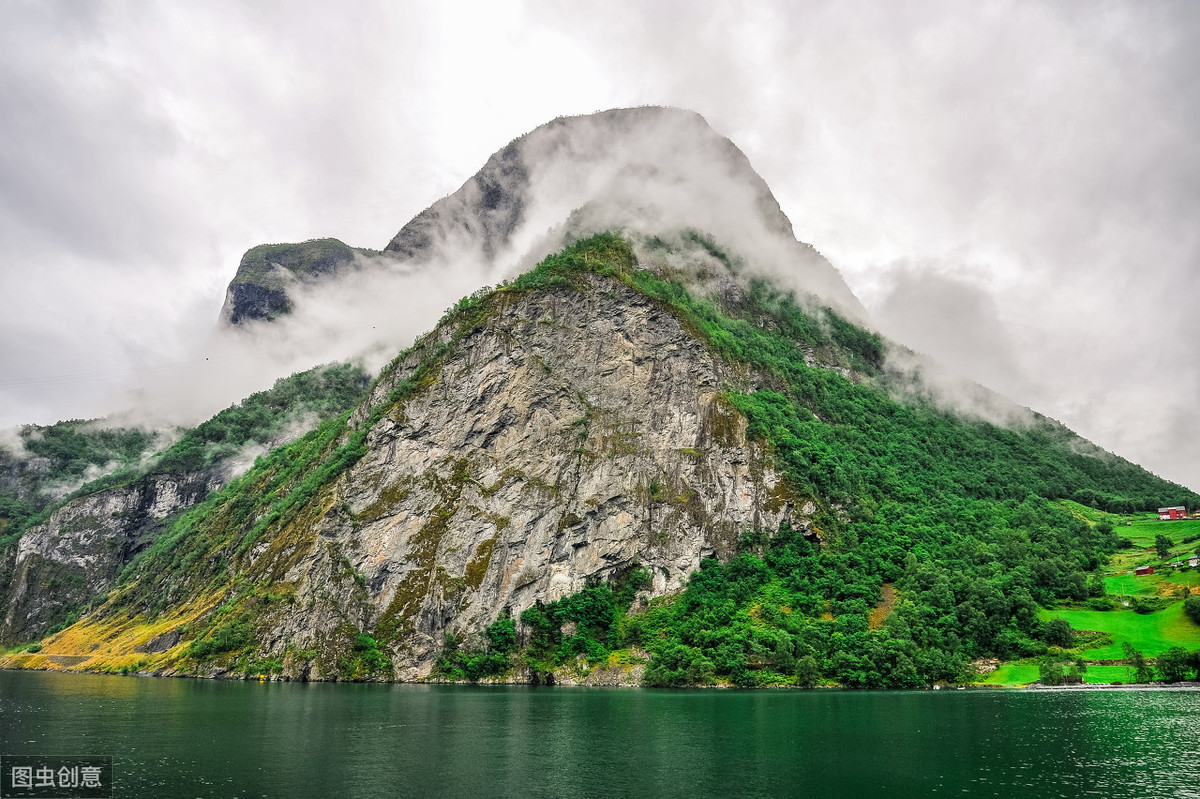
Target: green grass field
(1149,633)
(1161,582)
(1143,531)
(1132,584)
(1100,675)
(1025,672)
(1017,672)
(1141,528)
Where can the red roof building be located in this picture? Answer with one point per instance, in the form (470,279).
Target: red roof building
(1166,514)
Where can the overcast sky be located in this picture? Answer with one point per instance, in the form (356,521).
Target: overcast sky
(1013,188)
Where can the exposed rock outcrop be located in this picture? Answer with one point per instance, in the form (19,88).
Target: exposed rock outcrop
(570,437)
(61,565)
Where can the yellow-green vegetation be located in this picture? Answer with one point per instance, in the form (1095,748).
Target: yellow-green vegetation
(477,566)
(1149,633)
(391,496)
(117,643)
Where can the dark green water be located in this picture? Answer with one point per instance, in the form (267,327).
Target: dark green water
(191,738)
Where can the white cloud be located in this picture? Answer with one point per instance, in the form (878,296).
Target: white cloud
(1042,155)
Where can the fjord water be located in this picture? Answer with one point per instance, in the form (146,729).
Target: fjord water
(224,739)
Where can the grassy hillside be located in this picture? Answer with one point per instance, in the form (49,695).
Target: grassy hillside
(321,393)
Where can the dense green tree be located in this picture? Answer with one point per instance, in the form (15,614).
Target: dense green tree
(1162,546)
(1174,664)
(323,391)
(1058,632)
(1136,667)
(502,635)
(1191,607)
(808,673)
(1050,672)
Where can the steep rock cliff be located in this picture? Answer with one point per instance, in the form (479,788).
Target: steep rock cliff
(526,491)
(571,437)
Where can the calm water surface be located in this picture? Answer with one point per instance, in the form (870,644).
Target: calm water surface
(197,738)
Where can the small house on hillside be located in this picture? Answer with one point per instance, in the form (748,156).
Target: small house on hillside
(1167,514)
(1140,570)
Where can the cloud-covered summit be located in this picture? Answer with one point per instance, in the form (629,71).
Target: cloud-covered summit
(649,169)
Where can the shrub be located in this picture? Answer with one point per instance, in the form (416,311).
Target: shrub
(808,674)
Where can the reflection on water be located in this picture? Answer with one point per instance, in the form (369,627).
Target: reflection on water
(201,738)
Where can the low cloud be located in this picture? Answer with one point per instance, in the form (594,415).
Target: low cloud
(952,319)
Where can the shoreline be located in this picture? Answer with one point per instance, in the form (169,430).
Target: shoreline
(1186,685)
(1189,685)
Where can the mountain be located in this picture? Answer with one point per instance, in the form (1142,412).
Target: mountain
(259,289)
(633,459)
(667,452)
(648,169)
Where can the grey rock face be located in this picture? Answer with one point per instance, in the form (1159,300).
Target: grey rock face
(566,439)
(486,210)
(248,301)
(64,563)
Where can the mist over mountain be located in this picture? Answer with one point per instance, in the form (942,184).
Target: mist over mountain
(648,169)
(656,170)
